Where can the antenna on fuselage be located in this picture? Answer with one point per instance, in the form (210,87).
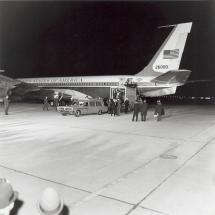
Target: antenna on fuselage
(166,26)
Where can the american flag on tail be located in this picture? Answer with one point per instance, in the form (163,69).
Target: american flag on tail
(171,54)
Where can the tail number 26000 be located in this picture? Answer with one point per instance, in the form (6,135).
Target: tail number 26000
(161,67)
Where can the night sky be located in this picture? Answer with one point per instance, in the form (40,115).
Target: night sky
(44,39)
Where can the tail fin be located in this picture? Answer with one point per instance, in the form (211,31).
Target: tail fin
(168,57)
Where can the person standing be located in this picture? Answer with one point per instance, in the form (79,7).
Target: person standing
(118,107)
(71,102)
(56,101)
(111,107)
(6,104)
(126,105)
(159,110)
(143,110)
(7,197)
(136,110)
(115,107)
(45,103)
(60,100)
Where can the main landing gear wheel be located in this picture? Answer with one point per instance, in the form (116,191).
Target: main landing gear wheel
(77,113)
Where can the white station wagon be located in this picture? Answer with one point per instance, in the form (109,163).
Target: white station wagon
(82,107)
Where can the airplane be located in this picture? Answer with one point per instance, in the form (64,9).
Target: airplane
(160,77)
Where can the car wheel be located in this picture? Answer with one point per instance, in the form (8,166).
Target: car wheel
(64,114)
(100,112)
(77,113)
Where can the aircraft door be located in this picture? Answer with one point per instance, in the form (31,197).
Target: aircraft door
(131,94)
(118,93)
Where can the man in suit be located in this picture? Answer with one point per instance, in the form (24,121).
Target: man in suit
(6,104)
(126,105)
(159,110)
(118,107)
(143,110)
(115,107)
(136,110)
(45,103)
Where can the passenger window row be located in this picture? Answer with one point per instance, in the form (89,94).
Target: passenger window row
(79,84)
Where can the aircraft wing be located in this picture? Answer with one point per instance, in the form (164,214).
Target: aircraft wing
(9,85)
(50,92)
(18,88)
(22,88)
(6,82)
(68,92)
(6,85)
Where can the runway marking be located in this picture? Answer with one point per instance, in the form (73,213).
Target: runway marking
(116,181)
(156,211)
(96,193)
(44,179)
(121,178)
(168,156)
(170,175)
(68,186)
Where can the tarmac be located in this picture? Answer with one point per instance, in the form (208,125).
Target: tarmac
(103,165)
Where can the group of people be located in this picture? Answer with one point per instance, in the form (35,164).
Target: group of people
(142,107)
(50,202)
(57,101)
(114,107)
